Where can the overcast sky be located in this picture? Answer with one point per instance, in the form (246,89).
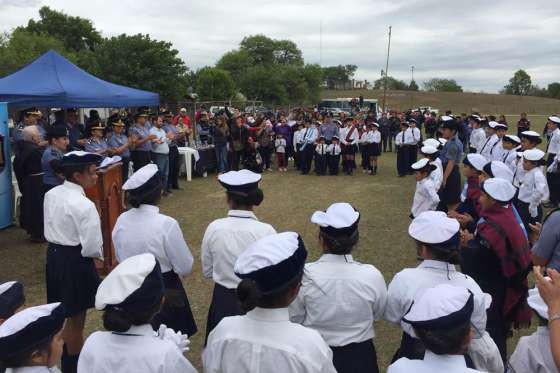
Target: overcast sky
(479,43)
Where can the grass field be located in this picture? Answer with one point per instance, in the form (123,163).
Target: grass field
(383,200)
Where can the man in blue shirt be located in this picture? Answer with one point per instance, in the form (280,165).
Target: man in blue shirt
(58,141)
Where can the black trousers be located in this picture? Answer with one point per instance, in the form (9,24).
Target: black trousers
(553,180)
(320,164)
(174,168)
(413,155)
(306,159)
(334,163)
(355,357)
(523,210)
(403,163)
(235,159)
(139,159)
(386,141)
(266,154)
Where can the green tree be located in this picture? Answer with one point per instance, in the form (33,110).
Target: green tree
(76,33)
(392,83)
(214,84)
(519,84)
(313,75)
(141,62)
(235,62)
(260,48)
(261,83)
(286,52)
(413,86)
(442,85)
(21,47)
(554,90)
(340,74)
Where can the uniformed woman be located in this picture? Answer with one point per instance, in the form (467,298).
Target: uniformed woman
(57,137)
(264,340)
(228,237)
(345,323)
(97,143)
(440,318)
(450,193)
(119,143)
(349,138)
(129,297)
(73,230)
(142,229)
(31,341)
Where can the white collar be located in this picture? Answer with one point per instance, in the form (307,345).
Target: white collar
(74,186)
(36,369)
(269,314)
(333,258)
(242,214)
(148,208)
(437,264)
(143,330)
(444,363)
(543,330)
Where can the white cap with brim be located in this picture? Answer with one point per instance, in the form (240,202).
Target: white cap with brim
(499,189)
(446,118)
(498,169)
(476,161)
(428,150)
(513,139)
(432,142)
(420,164)
(338,215)
(433,227)
(534,155)
(554,119)
(141,177)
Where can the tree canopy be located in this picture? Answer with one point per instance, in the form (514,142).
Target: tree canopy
(519,84)
(392,83)
(442,85)
(214,84)
(340,74)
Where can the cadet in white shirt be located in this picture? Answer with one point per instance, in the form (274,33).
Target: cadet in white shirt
(73,230)
(425,197)
(553,149)
(440,317)
(492,141)
(529,140)
(533,353)
(143,229)
(478,135)
(510,145)
(402,141)
(533,190)
(226,238)
(12,299)
(333,155)
(129,297)
(349,139)
(264,340)
(373,143)
(340,297)
(416,137)
(437,240)
(31,340)
(433,155)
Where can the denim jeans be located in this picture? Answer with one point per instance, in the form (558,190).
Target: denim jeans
(162,163)
(221,157)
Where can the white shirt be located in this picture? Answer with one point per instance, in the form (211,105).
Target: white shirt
(280,145)
(309,135)
(414,134)
(404,138)
(518,171)
(497,151)
(144,230)
(263,341)
(333,149)
(425,197)
(437,175)
(534,188)
(71,219)
(533,354)
(298,136)
(321,149)
(34,369)
(432,363)
(225,239)
(371,137)
(140,351)
(508,157)
(161,136)
(478,138)
(554,143)
(340,298)
(353,138)
(488,146)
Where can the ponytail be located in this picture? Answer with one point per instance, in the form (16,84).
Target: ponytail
(247,294)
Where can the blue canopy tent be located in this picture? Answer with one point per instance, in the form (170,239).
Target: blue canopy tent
(53,81)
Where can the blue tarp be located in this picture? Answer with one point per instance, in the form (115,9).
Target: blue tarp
(53,81)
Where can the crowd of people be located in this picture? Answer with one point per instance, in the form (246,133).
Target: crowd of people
(270,310)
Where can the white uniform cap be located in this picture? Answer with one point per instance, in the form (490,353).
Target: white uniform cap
(444,306)
(514,138)
(426,149)
(477,161)
(442,141)
(239,178)
(446,118)
(495,125)
(499,170)
(140,177)
(431,142)
(135,281)
(433,227)
(250,120)
(533,154)
(183,110)
(499,189)
(530,134)
(338,215)
(554,119)
(420,164)
(536,302)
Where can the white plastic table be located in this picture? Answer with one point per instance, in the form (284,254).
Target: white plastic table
(187,155)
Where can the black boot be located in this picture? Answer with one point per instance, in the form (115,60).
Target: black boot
(68,363)
(375,170)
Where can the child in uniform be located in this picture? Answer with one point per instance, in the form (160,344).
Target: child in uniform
(403,155)
(264,340)
(491,142)
(415,138)
(374,147)
(553,150)
(31,340)
(280,146)
(426,196)
(433,155)
(529,140)
(347,323)
(130,296)
(533,190)
(333,156)
(349,138)
(321,157)
(12,299)
(510,143)
(478,135)
(164,239)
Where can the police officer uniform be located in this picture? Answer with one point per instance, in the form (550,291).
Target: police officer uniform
(452,151)
(174,159)
(264,340)
(141,154)
(118,140)
(94,145)
(50,178)
(135,284)
(224,240)
(144,229)
(346,323)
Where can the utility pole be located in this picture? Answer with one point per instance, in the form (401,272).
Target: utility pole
(411,91)
(321,43)
(412,73)
(386,72)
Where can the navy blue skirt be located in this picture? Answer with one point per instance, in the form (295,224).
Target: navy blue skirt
(355,357)
(224,304)
(71,278)
(176,311)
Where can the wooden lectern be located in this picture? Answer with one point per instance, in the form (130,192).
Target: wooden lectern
(107,196)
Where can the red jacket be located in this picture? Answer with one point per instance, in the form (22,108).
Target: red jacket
(186,120)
